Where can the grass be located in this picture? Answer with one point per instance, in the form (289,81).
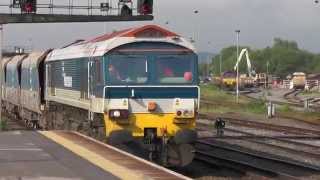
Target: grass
(310,93)
(3,125)
(289,112)
(313,117)
(225,102)
(257,107)
(213,92)
(285,108)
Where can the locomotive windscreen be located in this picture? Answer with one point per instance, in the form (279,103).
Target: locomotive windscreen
(174,69)
(127,69)
(152,69)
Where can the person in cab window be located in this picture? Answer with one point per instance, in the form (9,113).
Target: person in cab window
(167,72)
(114,74)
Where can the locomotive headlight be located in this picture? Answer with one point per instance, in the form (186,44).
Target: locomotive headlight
(119,113)
(116,113)
(184,113)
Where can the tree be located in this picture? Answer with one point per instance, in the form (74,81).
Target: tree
(284,58)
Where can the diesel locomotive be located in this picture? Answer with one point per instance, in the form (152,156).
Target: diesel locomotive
(298,81)
(135,86)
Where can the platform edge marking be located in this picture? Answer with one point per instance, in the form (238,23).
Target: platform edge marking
(99,161)
(135,157)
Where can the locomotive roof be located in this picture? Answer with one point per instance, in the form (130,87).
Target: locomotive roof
(299,74)
(15,62)
(34,58)
(100,45)
(5,60)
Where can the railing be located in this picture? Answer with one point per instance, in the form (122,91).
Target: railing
(310,85)
(286,84)
(313,85)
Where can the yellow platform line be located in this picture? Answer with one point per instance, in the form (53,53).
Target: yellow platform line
(96,159)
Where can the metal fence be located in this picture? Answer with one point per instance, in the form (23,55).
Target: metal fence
(312,85)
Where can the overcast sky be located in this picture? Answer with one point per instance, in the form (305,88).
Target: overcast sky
(259,21)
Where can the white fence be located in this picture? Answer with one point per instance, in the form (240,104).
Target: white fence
(312,85)
(285,84)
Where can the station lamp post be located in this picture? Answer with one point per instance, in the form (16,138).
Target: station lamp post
(1,78)
(237,80)
(195,34)
(220,64)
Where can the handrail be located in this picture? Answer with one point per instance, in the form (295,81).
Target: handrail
(123,86)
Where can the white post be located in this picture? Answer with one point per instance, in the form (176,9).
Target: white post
(266,81)
(220,61)
(237,80)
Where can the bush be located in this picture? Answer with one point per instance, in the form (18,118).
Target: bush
(257,107)
(285,108)
(3,125)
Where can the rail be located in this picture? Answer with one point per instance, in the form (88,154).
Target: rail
(256,160)
(248,123)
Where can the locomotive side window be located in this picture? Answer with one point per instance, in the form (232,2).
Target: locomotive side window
(10,80)
(98,72)
(175,69)
(125,69)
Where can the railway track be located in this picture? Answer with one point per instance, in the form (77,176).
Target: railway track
(286,95)
(210,103)
(293,98)
(296,154)
(240,122)
(289,145)
(216,152)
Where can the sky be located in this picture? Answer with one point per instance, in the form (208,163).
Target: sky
(213,27)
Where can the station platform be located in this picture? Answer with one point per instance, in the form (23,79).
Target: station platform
(59,155)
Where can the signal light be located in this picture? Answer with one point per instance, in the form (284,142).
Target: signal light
(16,3)
(145,7)
(28,6)
(126,11)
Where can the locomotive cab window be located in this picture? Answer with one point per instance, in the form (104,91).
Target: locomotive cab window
(175,69)
(127,69)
